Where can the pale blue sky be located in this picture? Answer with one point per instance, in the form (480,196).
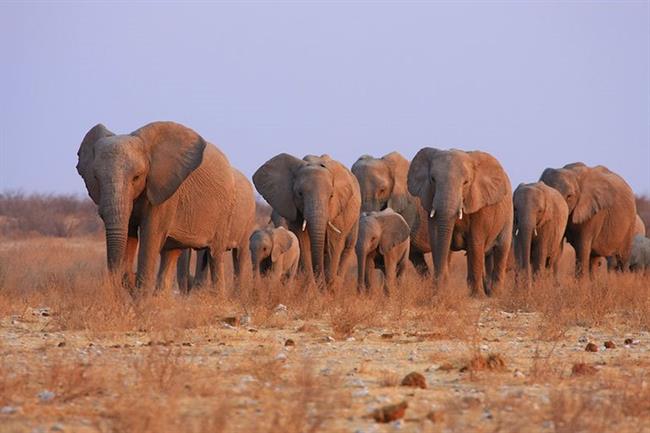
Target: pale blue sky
(536,84)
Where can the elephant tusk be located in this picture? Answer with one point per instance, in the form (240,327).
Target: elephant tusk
(333,227)
(433,213)
(516,232)
(535,232)
(460,213)
(304,225)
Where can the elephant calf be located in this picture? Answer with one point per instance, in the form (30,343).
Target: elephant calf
(640,256)
(382,235)
(539,222)
(274,252)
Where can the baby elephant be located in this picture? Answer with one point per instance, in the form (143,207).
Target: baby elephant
(382,235)
(640,257)
(540,220)
(275,253)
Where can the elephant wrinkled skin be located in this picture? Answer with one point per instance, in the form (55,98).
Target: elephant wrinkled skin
(383,185)
(154,188)
(275,253)
(320,200)
(540,215)
(469,201)
(382,235)
(602,213)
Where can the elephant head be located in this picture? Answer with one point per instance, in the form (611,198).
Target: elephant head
(378,231)
(382,181)
(532,209)
(451,184)
(310,193)
(151,163)
(585,189)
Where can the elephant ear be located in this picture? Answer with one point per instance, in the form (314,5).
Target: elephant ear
(596,193)
(281,243)
(356,167)
(490,184)
(399,168)
(394,230)
(346,186)
(274,180)
(419,180)
(86,156)
(175,151)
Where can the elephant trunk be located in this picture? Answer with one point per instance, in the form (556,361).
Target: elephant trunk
(116,237)
(371,204)
(445,210)
(361,265)
(316,216)
(523,244)
(115,210)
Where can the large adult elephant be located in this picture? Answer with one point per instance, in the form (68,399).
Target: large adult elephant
(240,226)
(540,215)
(383,184)
(469,201)
(602,212)
(154,188)
(320,199)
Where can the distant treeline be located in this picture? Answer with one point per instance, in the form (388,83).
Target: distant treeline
(24,215)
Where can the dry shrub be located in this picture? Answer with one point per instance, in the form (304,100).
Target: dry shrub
(480,362)
(589,302)
(47,215)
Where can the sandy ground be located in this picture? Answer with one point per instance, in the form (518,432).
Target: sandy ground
(366,368)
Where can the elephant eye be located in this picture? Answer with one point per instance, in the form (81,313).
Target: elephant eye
(136,178)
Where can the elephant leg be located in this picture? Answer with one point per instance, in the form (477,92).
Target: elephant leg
(583,252)
(216,262)
(391,273)
(348,255)
(475,268)
(131,249)
(151,242)
(594,265)
(538,257)
(370,273)
(500,264)
(244,265)
(419,263)
(293,269)
(183,271)
(168,259)
(334,253)
(305,263)
(202,267)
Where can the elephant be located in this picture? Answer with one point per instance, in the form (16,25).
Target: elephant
(275,252)
(155,189)
(639,229)
(602,213)
(382,234)
(469,201)
(320,199)
(383,184)
(242,222)
(640,254)
(540,216)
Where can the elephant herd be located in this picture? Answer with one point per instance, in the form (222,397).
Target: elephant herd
(163,191)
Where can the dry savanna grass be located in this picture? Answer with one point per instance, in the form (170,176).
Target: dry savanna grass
(78,354)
